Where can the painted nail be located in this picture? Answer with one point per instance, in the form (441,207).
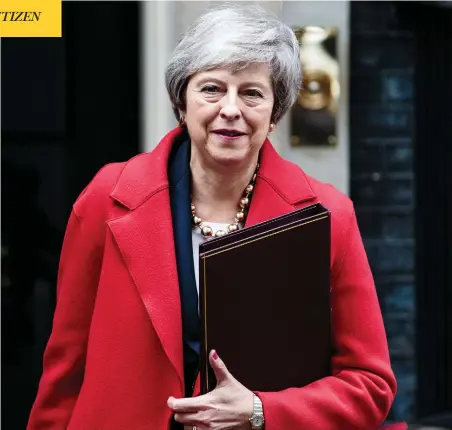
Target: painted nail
(215,355)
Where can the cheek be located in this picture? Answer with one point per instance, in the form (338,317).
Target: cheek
(260,121)
(260,136)
(201,114)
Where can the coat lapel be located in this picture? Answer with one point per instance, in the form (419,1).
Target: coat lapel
(281,187)
(145,238)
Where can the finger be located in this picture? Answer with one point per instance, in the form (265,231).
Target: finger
(190,404)
(221,372)
(190,419)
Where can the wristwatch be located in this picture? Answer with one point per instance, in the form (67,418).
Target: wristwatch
(257,419)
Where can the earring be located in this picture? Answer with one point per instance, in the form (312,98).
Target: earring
(182,120)
(272,127)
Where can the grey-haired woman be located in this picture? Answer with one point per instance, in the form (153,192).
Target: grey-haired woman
(124,349)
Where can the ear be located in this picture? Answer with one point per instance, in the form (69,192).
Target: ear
(178,113)
(181,113)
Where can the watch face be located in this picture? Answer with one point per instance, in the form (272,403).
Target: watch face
(257,421)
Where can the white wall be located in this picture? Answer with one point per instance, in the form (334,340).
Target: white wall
(165,21)
(326,164)
(159,38)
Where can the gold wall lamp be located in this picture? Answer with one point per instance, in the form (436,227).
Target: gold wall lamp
(314,115)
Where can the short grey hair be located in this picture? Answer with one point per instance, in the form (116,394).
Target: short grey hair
(235,36)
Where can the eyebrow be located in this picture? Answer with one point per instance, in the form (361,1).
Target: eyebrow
(221,82)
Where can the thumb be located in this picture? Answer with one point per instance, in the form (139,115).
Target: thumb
(221,372)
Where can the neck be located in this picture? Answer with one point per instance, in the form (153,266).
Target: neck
(216,192)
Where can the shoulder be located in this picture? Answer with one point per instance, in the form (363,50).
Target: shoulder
(343,218)
(96,195)
(97,192)
(337,202)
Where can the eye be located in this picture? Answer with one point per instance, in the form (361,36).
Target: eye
(210,89)
(253,93)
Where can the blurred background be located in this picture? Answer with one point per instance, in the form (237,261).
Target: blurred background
(96,95)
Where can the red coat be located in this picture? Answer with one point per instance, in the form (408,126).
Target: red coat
(115,352)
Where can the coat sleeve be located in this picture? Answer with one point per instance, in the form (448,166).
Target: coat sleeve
(78,277)
(362,387)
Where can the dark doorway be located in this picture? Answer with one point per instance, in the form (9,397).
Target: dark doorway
(401,169)
(69,106)
(433,163)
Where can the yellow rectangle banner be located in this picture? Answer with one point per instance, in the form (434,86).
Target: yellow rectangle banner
(30,18)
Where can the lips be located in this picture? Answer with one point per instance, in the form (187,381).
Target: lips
(229,132)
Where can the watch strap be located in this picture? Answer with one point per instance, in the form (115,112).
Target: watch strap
(258,410)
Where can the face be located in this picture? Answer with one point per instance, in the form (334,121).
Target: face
(228,114)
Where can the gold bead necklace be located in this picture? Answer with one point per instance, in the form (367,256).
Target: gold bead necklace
(207,231)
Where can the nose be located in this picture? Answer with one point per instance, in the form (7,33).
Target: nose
(230,110)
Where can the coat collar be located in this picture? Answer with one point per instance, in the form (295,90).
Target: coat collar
(146,174)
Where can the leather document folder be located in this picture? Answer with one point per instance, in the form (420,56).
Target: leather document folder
(265,301)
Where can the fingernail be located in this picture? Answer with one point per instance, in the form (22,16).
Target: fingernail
(215,355)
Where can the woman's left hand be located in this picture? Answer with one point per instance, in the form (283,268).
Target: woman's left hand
(228,406)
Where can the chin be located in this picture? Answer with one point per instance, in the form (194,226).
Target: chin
(231,156)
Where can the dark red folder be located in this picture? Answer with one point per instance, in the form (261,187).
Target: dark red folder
(265,301)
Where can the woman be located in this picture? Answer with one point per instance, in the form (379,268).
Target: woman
(124,347)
